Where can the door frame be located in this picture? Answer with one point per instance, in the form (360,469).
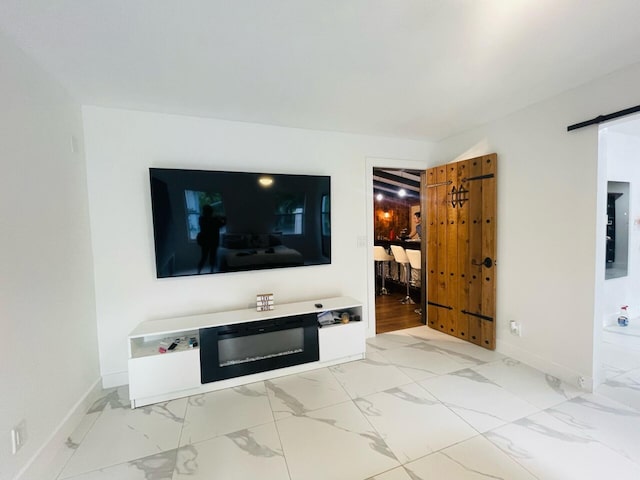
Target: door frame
(370,164)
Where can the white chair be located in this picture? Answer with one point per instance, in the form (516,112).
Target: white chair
(415,260)
(401,257)
(380,256)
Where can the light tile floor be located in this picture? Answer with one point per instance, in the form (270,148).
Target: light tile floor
(620,353)
(423,405)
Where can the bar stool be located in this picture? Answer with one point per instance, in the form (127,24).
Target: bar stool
(415,258)
(380,256)
(401,257)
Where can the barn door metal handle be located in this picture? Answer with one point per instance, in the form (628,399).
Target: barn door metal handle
(487,262)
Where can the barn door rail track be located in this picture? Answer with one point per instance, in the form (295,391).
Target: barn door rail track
(604,118)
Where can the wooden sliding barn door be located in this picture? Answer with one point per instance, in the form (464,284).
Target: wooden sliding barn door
(460,199)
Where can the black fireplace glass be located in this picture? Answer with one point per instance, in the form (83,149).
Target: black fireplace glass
(234,350)
(251,348)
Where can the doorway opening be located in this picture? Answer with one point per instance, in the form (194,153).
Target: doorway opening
(619,342)
(397,231)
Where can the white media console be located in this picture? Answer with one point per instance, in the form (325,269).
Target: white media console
(157,377)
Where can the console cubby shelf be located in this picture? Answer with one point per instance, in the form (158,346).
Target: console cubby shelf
(156,377)
(149,345)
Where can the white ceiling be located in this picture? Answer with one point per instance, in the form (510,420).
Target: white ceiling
(406,68)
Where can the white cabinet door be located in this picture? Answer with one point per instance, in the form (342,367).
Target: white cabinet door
(341,340)
(161,374)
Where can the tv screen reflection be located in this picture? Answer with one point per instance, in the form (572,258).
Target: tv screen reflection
(214,222)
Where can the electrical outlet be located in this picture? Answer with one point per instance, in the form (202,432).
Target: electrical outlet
(581,381)
(514,328)
(18,436)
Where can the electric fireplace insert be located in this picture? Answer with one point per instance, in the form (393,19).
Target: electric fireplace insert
(235,350)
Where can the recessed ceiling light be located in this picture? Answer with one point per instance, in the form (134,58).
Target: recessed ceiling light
(402,192)
(265,181)
(379,197)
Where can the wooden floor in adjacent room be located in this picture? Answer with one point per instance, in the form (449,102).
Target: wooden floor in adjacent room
(393,315)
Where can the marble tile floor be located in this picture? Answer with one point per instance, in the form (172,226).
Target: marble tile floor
(620,352)
(422,405)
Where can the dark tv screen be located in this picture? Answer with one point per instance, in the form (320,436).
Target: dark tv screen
(215,222)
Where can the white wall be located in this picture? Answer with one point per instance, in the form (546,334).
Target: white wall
(121,145)
(550,222)
(48,358)
(622,157)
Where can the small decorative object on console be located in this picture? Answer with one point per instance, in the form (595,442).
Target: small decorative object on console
(162,347)
(264,302)
(325,318)
(332,317)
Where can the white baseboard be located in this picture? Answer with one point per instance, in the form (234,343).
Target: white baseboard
(40,465)
(563,373)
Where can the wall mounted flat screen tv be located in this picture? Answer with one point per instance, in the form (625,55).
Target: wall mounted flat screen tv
(214,222)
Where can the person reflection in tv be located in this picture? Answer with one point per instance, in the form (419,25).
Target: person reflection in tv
(209,236)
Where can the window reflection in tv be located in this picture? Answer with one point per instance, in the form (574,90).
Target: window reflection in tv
(214,222)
